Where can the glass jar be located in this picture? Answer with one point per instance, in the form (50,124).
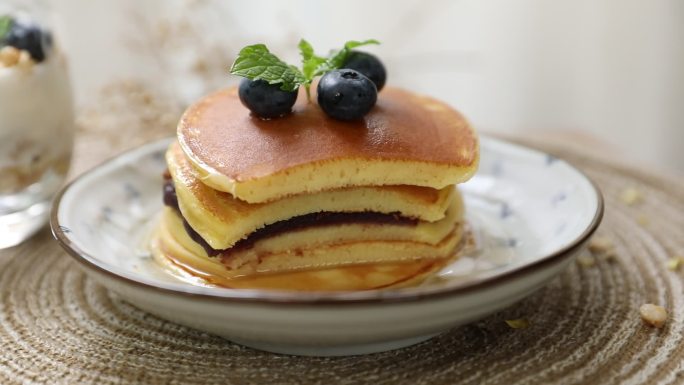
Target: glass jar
(36,119)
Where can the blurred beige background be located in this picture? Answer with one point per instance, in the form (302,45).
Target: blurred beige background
(608,69)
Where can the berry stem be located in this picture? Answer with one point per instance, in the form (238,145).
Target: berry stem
(307,87)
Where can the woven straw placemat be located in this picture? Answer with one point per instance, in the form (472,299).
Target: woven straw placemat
(58,326)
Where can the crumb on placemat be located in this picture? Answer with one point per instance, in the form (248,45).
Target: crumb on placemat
(675,263)
(610,256)
(518,323)
(631,196)
(653,315)
(601,244)
(586,260)
(643,220)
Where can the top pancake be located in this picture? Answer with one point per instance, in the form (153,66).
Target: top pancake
(406,139)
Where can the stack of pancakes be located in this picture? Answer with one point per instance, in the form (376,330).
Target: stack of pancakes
(307,202)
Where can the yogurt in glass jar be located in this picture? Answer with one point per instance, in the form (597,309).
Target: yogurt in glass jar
(36,124)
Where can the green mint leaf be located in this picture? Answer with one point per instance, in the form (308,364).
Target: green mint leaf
(351,44)
(337,59)
(306,50)
(310,61)
(256,62)
(5,26)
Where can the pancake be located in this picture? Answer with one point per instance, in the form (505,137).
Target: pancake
(174,243)
(223,220)
(292,235)
(348,278)
(406,139)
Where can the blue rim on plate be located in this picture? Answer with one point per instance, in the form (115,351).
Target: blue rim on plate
(309,298)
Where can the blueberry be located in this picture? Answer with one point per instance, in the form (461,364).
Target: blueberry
(369,65)
(346,94)
(170,197)
(31,38)
(266,100)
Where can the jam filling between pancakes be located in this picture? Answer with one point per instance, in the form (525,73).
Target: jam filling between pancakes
(280,227)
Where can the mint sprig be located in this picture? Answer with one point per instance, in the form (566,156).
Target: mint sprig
(256,62)
(310,61)
(338,58)
(311,64)
(5,26)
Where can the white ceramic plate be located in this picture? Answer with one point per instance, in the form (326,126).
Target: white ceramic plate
(531,214)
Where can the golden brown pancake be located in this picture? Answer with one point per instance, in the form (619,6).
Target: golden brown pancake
(223,220)
(348,278)
(328,244)
(351,265)
(406,139)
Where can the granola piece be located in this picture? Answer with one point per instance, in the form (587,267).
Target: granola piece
(25,61)
(675,263)
(586,261)
(643,220)
(601,245)
(631,196)
(519,323)
(653,315)
(9,56)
